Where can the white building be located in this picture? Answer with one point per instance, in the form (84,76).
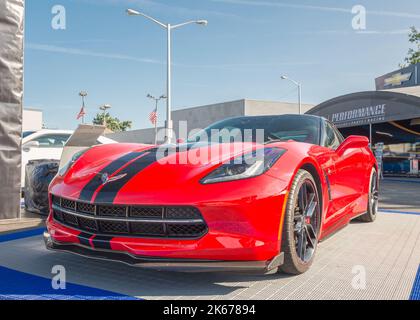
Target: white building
(32,119)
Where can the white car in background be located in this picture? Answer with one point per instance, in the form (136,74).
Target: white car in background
(46,144)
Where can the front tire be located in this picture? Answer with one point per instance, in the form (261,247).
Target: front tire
(301,224)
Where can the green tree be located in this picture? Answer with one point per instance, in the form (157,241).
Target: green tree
(413,55)
(112,123)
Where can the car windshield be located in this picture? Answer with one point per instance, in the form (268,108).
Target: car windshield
(27,133)
(262,129)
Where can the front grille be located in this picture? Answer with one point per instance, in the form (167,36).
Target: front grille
(137,221)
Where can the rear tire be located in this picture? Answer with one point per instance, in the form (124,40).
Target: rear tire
(301,224)
(373,198)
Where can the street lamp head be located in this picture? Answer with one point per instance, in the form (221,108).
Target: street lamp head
(163,97)
(284,77)
(202,22)
(105,107)
(83,93)
(150,96)
(132,12)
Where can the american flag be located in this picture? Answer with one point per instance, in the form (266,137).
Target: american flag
(82,113)
(153,116)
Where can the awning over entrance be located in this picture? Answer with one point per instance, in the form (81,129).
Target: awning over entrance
(391,120)
(362,108)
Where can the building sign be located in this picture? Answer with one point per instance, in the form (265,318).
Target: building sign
(397,79)
(359,116)
(406,77)
(364,108)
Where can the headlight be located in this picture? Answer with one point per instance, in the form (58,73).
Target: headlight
(246,166)
(62,172)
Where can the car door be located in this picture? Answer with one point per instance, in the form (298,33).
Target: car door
(346,186)
(48,146)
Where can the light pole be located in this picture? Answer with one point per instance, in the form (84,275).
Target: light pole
(156,110)
(83,94)
(299,91)
(104,108)
(168,28)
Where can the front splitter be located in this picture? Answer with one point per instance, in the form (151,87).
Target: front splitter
(165,264)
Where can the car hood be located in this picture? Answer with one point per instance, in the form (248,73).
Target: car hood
(104,171)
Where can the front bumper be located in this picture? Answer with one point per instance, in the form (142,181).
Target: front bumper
(184,265)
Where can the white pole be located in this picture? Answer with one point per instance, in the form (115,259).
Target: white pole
(300,98)
(156,109)
(168,91)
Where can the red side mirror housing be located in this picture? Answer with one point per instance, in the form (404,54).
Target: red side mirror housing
(353,142)
(178,141)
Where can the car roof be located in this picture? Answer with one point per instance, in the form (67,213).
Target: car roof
(280,116)
(53,131)
(101,139)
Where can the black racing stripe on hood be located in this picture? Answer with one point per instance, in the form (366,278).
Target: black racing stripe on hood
(110,190)
(89,189)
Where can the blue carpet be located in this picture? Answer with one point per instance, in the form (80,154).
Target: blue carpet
(16,285)
(21,234)
(403,181)
(415,292)
(399,212)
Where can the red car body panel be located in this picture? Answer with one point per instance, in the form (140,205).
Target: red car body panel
(244,217)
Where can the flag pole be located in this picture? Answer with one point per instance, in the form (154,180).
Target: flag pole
(83,94)
(156,110)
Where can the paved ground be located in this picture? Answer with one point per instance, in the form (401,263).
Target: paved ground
(400,194)
(387,252)
(27,221)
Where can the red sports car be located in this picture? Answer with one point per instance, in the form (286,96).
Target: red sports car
(257,203)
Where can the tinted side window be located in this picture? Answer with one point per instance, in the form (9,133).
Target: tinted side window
(52,140)
(331,140)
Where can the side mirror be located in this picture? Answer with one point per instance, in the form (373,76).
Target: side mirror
(353,142)
(178,141)
(29,145)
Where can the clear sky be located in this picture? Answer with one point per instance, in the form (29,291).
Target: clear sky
(242,53)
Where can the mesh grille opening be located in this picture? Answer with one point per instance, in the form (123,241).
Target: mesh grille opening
(146,212)
(56,200)
(86,208)
(113,227)
(70,219)
(182,213)
(87,224)
(185,230)
(166,223)
(112,211)
(58,216)
(147,228)
(68,204)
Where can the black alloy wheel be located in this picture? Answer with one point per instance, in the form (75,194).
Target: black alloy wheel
(301,224)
